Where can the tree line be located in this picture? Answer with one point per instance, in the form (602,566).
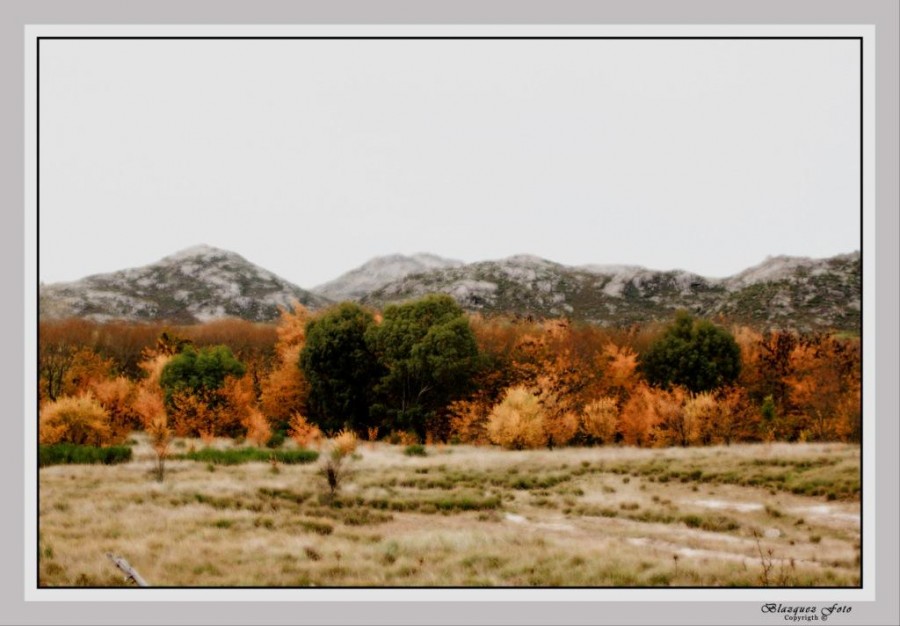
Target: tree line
(427,371)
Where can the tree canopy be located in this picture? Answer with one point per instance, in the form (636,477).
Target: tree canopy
(692,353)
(340,368)
(430,354)
(200,372)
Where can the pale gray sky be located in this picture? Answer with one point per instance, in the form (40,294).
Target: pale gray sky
(310,157)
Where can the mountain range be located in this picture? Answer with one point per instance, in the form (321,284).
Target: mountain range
(204,283)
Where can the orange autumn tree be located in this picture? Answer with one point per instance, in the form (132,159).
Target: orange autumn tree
(149,404)
(736,417)
(824,388)
(468,419)
(512,353)
(58,343)
(225,412)
(87,369)
(258,429)
(672,425)
(559,418)
(638,419)
(283,389)
(619,364)
(116,396)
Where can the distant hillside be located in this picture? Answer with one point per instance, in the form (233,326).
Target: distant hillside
(204,283)
(785,292)
(378,272)
(194,285)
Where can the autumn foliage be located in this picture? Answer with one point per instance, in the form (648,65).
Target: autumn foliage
(304,433)
(535,383)
(283,389)
(75,419)
(517,421)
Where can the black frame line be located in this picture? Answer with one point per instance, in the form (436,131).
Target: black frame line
(859,38)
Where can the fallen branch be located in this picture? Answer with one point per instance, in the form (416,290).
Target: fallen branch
(130,573)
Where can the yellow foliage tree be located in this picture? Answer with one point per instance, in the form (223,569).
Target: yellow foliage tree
(517,422)
(600,419)
(620,365)
(673,428)
(701,418)
(74,419)
(638,419)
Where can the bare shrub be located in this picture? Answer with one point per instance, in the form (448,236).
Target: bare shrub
(333,468)
(345,443)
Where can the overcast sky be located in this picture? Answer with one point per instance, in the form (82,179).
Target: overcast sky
(310,157)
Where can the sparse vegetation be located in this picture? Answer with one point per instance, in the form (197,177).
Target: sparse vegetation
(475,517)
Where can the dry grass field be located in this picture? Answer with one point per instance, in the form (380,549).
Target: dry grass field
(747,515)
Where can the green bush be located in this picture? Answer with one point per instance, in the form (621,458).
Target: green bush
(238,456)
(199,372)
(70,453)
(417,449)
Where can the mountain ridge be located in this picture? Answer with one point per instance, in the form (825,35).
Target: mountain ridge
(380,271)
(196,284)
(202,282)
(782,291)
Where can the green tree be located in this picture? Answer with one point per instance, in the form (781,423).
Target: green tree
(430,354)
(200,372)
(340,368)
(695,354)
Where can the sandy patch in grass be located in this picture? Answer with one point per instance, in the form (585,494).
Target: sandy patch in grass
(743,507)
(828,514)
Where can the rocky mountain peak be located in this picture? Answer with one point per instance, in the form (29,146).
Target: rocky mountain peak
(192,285)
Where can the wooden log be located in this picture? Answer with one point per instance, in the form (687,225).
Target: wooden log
(130,573)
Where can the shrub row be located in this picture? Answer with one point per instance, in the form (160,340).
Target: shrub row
(238,456)
(69,453)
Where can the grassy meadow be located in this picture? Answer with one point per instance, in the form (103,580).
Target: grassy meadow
(745,515)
